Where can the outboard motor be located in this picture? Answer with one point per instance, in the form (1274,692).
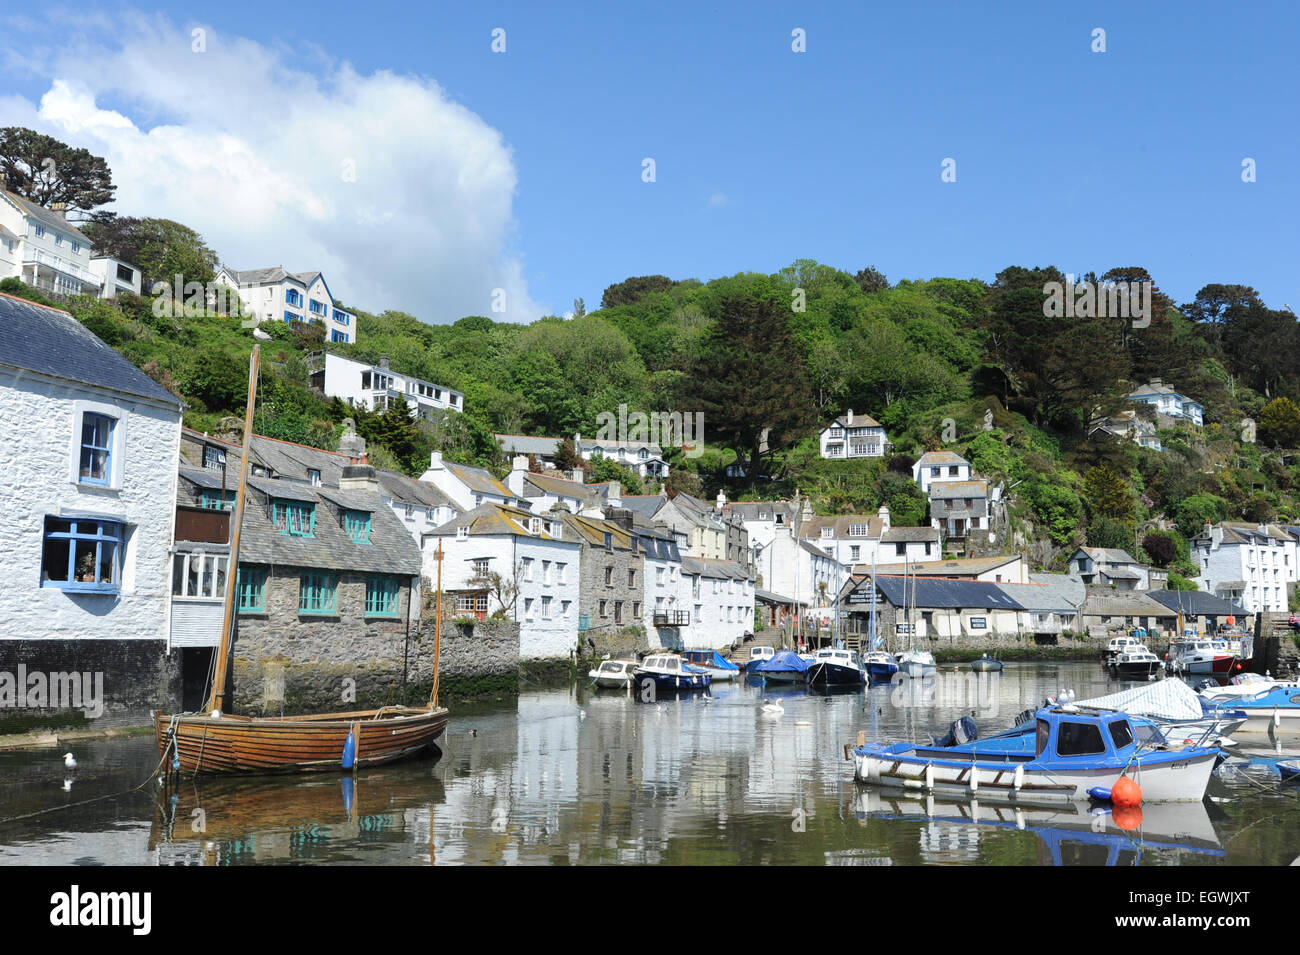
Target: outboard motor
(1205,684)
(961,731)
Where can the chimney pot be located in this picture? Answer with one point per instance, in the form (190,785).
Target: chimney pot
(519,463)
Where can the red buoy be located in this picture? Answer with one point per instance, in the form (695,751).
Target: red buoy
(1126,793)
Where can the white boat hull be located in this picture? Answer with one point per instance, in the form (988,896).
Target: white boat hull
(1262,720)
(1168,782)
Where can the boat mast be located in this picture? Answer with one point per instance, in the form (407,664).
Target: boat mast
(217,698)
(437,630)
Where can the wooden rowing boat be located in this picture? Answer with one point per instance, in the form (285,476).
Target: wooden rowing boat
(242,744)
(213,741)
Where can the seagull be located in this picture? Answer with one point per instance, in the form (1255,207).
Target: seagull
(68,761)
(67,785)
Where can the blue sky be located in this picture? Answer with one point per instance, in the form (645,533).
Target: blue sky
(1063,156)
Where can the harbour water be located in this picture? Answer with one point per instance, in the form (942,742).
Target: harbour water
(573,775)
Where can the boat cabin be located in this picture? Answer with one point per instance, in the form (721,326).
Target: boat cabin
(1069,731)
(840,657)
(761,653)
(616,667)
(669,663)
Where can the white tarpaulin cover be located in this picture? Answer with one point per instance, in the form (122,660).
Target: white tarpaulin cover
(1164,699)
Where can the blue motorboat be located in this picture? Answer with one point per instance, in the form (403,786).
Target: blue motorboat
(1289,770)
(881,666)
(785,666)
(1075,749)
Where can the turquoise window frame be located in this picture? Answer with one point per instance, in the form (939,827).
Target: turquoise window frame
(318,595)
(292,514)
(215,500)
(250,589)
(357,525)
(382,597)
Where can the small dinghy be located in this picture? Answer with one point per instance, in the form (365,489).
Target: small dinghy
(881,666)
(668,673)
(917,662)
(613,674)
(986,664)
(1289,770)
(713,663)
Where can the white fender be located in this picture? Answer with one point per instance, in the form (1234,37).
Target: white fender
(929,776)
(974,779)
(1019,779)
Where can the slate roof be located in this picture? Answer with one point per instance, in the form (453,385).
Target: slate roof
(944,593)
(490,519)
(46,217)
(645,505)
(523,444)
(391,549)
(812,548)
(286,490)
(407,490)
(1244,532)
(897,535)
(949,489)
(288,460)
(1108,555)
(859,421)
(1123,603)
(1071,588)
(1195,602)
(271,276)
(591,531)
(589,494)
(934,459)
(478,479)
(207,478)
(588,444)
(711,567)
(955,567)
(1038,597)
(50,341)
(762,510)
(768,597)
(839,523)
(1161,389)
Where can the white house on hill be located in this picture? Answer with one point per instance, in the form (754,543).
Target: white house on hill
(936,466)
(1168,402)
(853,436)
(376,387)
(277,295)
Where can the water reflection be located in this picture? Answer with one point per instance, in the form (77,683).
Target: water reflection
(570,775)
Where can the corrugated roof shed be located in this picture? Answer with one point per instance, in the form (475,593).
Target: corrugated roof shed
(945,593)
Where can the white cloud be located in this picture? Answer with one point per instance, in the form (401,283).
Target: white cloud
(256,154)
(718,199)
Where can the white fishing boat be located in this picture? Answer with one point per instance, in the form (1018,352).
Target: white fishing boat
(1135,661)
(1198,656)
(832,666)
(613,674)
(1244,685)
(916,662)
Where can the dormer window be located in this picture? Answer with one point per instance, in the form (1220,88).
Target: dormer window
(609,541)
(828,532)
(213,457)
(462,533)
(294,518)
(313,476)
(357,524)
(534,525)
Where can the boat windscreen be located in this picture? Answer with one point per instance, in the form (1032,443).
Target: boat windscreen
(1120,733)
(1040,742)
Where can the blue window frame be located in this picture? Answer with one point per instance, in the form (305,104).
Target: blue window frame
(40,231)
(217,500)
(316,593)
(96,449)
(294,518)
(82,554)
(250,589)
(342,317)
(76,247)
(381,597)
(338,336)
(293,297)
(317,308)
(357,524)
(291,317)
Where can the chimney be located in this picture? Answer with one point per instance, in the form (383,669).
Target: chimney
(850,416)
(519,462)
(615,496)
(883,514)
(358,477)
(60,209)
(383,363)
(620,516)
(663,489)
(1156,382)
(435,461)
(807,509)
(721,502)
(515,479)
(577,475)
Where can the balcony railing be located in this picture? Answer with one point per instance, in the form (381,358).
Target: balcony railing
(62,265)
(672,618)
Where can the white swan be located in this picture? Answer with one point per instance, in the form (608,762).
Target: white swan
(774,707)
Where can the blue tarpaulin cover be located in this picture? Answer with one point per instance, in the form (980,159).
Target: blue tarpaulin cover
(785,661)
